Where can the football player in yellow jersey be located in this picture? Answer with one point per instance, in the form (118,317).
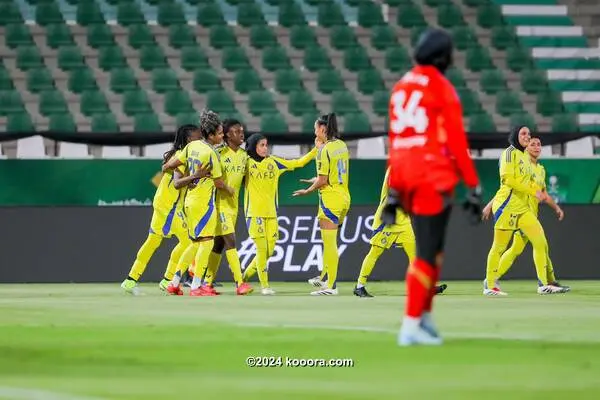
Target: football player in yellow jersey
(400,234)
(511,212)
(333,170)
(519,240)
(167,218)
(261,202)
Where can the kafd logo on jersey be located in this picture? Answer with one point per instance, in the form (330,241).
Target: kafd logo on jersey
(300,248)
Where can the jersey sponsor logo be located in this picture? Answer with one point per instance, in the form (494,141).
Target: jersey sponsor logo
(234,169)
(262,174)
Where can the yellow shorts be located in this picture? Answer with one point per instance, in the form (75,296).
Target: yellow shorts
(168,224)
(509,221)
(259,227)
(333,208)
(226,223)
(385,238)
(201,220)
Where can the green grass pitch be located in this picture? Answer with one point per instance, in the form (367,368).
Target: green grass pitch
(89,341)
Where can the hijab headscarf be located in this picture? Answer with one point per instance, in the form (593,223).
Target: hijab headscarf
(513,137)
(251,144)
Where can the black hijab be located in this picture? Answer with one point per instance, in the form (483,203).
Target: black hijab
(251,144)
(513,137)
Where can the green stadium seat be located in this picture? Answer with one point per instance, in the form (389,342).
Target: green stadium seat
(489,16)
(533,81)
(276,2)
(357,123)
(164,80)
(329,81)
(234,58)
(10,14)
(342,37)
(136,102)
(508,103)
(369,14)
(316,58)
(549,103)
(464,37)
(415,34)
(315,3)
(93,102)
(300,103)
(29,57)
(220,101)
(478,59)
(52,102)
(481,123)
(450,16)
(129,13)
(383,37)
(470,102)
(20,122)
(517,59)
(474,3)
(302,37)
(456,77)
(262,36)
(48,14)
(246,81)
(100,36)
(181,36)
(410,15)
(210,15)
(111,57)
(273,123)
(140,36)
(291,15)
(89,13)
(492,81)
(152,57)
(356,59)
(170,13)
(6,82)
(250,14)
(523,118)
(287,81)
(343,102)
(187,118)
(370,81)
(275,58)
(397,59)
(148,122)
(192,58)
(11,102)
(206,80)
(381,103)
(330,14)
(308,122)
(62,122)
(104,123)
(564,123)
(221,36)
(503,37)
(17,36)
(39,80)
(122,80)
(70,58)
(178,101)
(59,36)
(261,102)
(81,80)
(355,3)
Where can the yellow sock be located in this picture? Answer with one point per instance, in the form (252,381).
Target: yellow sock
(187,257)
(250,271)
(535,233)
(330,255)
(202,256)
(368,264)
(214,260)
(144,255)
(501,240)
(261,260)
(234,265)
(509,256)
(550,269)
(410,248)
(174,259)
(323,273)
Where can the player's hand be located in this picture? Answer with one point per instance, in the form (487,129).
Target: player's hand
(472,204)
(318,143)
(388,214)
(311,180)
(202,171)
(541,195)
(487,212)
(560,213)
(300,192)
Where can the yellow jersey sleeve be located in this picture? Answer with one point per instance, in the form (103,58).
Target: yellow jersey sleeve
(182,155)
(215,164)
(513,171)
(323,162)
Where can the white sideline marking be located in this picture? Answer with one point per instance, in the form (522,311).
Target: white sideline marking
(31,394)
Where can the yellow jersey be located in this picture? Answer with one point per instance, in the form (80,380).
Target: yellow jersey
(539,177)
(167,197)
(401,218)
(333,161)
(194,155)
(262,183)
(233,168)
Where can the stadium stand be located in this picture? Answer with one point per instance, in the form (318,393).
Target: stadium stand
(147,65)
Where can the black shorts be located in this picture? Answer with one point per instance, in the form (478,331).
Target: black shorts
(430,234)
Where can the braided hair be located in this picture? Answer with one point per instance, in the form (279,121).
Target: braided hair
(330,122)
(182,136)
(209,123)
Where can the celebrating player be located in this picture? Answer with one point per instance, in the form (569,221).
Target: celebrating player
(519,240)
(260,202)
(333,171)
(167,218)
(428,148)
(399,234)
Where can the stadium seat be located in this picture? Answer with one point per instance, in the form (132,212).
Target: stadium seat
(70,58)
(290,15)
(11,103)
(533,81)
(517,59)
(136,102)
(397,59)
(116,152)
(474,3)
(381,103)
(478,59)
(308,122)
(287,81)
(206,80)
(489,16)
(170,13)
(154,151)
(330,14)
(262,36)
(464,37)
(221,36)
(508,103)
(181,36)
(129,13)
(89,13)
(383,37)
(58,36)
(81,80)
(492,81)
(503,37)
(356,59)
(343,102)
(234,58)
(470,102)
(48,14)
(62,122)
(370,81)
(192,59)
(450,16)
(93,102)
(564,123)
(73,150)
(456,77)
(261,102)
(122,80)
(100,36)
(250,14)
(187,118)
(20,122)
(29,57)
(31,147)
(415,34)
(523,118)
(300,103)
(148,122)
(302,37)
(6,82)
(316,58)
(342,37)
(178,101)
(246,81)
(220,101)
(17,35)
(357,122)
(10,14)
(152,57)
(140,35)
(549,103)
(410,15)
(329,81)
(481,123)
(275,58)
(210,15)
(164,80)
(52,102)
(369,14)
(273,123)
(39,80)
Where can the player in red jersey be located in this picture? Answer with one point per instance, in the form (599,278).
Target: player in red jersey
(428,156)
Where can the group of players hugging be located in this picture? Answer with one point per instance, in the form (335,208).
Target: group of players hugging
(197,198)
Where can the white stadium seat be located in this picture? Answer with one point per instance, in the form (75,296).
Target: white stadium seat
(116,152)
(580,148)
(73,150)
(31,147)
(156,151)
(371,148)
(286,151)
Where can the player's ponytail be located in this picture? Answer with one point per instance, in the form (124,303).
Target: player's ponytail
(181,139)
(330,123)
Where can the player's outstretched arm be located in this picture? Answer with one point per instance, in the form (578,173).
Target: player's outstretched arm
(317,183)
(487,210)
(559,212)
(171,164)
(179,180)
(221,185)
